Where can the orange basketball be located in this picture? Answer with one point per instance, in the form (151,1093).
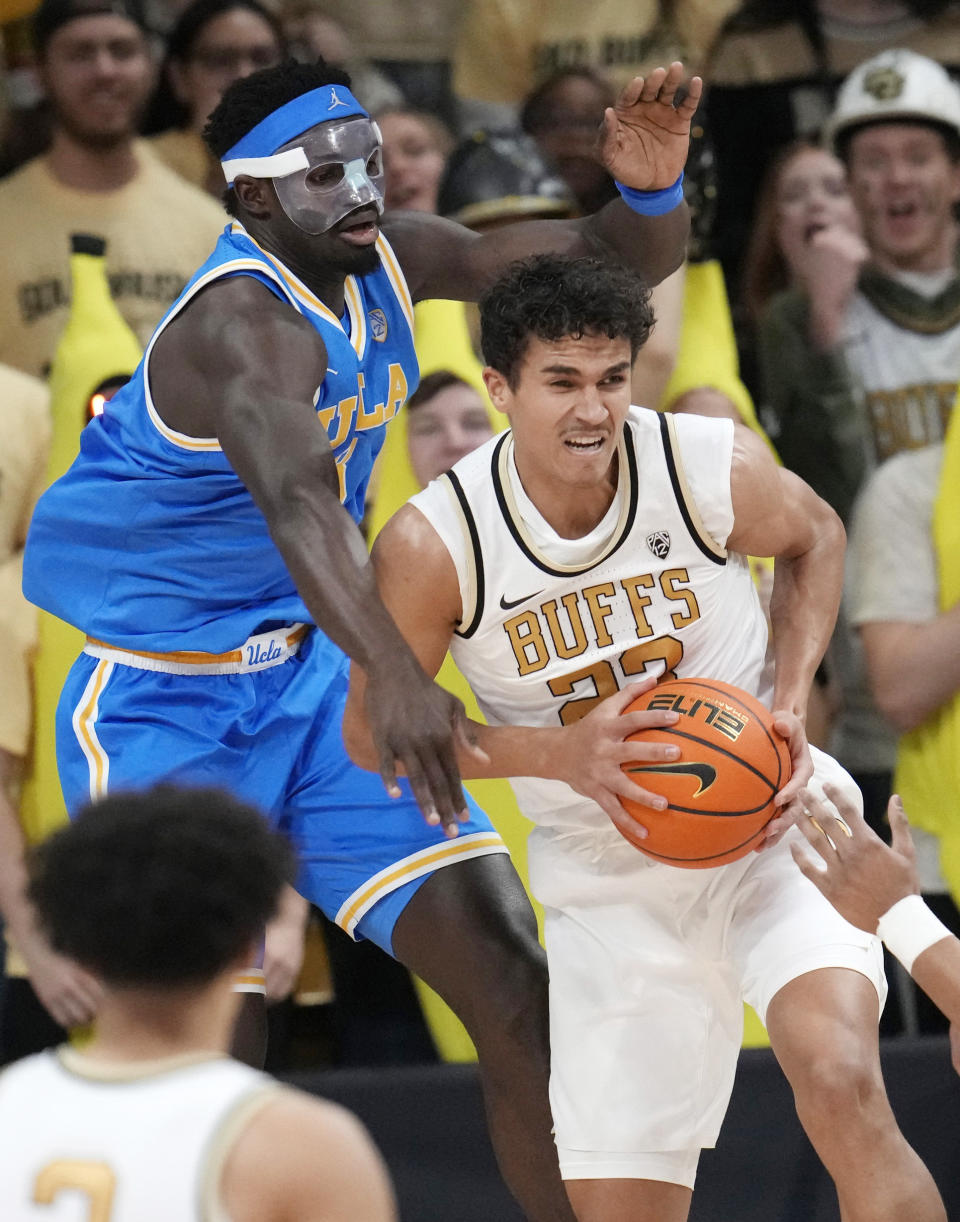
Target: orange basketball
(720,791)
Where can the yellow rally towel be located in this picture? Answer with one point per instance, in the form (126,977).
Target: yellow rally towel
(928,763)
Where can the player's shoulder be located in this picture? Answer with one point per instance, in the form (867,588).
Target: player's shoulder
(299,1156)
(259,319)
(687,438)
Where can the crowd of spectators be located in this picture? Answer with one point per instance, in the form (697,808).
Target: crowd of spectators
(824,180)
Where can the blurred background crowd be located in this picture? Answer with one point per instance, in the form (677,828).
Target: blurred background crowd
(820,305)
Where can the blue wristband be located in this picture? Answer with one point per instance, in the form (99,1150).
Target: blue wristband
(653,203)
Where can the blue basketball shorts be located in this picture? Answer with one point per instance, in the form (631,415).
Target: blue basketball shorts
(267,728)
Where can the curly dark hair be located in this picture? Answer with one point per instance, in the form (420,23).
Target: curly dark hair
(552,296)
(161,888)
(250,99)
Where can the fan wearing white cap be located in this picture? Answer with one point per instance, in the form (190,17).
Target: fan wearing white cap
(897,126)
(871,337)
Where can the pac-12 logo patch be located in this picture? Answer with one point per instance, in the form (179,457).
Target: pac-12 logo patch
(378,325)
(659,543)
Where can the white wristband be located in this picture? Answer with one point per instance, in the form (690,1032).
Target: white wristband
(908,928)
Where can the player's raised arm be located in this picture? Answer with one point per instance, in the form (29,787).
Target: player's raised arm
(418,583)
(777,514)
(643,143)
(254,383)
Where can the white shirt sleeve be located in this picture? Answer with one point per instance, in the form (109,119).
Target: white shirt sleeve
(891,564)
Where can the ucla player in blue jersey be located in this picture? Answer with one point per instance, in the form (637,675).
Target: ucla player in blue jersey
(205,540)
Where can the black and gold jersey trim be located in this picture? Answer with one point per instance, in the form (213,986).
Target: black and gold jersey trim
(685,502)
(473,536)
(499,469)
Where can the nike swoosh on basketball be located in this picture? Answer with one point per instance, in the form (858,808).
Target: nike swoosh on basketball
(706,774)
(507,606)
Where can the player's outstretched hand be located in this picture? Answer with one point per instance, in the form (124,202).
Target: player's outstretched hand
(644,138)
(787,801)
(595,750)
(861,876)
(418,728)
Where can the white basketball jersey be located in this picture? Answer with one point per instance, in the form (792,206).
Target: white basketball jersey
(551,626)
(84,1142)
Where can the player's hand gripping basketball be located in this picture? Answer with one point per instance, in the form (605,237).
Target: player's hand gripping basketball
(643,140)
(417,728)
(595,748)
(787,801)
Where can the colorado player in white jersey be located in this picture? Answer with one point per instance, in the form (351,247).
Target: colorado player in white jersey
(592,545)
(151,1121)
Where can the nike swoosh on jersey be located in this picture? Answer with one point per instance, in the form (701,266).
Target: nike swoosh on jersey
(507,606)
(706,774)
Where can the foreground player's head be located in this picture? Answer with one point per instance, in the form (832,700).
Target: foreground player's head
(302,157)
(560,335)
(547,299)
(164,889)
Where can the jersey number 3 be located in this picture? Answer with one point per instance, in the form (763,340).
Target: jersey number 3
(665,649)
(95,1181)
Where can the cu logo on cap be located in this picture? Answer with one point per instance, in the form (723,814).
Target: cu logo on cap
(884,84)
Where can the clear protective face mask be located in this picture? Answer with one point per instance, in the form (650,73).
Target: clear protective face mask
(344,172)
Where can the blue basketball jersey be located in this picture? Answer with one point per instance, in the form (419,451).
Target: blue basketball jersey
(151,541)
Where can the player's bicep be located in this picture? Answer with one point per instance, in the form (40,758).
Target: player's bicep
(417,581)
(775,512)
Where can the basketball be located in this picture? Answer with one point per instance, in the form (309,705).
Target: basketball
(720,791)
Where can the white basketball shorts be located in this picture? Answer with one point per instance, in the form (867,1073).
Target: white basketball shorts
(649,968)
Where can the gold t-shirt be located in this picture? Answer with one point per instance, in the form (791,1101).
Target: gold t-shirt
(506,47)
(158,230)
(24,440)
